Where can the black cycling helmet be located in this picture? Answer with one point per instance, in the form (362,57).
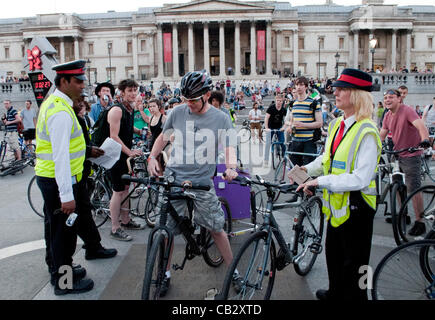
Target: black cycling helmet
(195,84)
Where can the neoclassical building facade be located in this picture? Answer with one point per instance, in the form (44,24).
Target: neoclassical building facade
(231,38)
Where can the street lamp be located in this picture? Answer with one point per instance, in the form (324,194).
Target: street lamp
(337,58)
(373,44)
(89,71)
(109,48)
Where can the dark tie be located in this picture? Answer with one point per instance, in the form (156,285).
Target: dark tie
(338,138)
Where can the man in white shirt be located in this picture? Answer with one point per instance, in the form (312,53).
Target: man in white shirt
(255,119)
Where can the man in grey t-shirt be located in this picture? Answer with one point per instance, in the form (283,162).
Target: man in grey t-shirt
(29,117)
(197,129)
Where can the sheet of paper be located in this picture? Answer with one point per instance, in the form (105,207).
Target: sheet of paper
(112,152)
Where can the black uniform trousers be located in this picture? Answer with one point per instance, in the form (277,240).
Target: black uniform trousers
(348,248)
(60,239)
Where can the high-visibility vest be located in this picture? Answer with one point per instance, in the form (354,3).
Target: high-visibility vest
(336,205)
(44,152)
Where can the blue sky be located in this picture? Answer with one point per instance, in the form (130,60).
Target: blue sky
(28,8)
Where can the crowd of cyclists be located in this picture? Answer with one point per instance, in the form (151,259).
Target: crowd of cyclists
(299,116)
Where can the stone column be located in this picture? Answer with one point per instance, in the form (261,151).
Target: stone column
(371,56)
(278,34)
(253,49)
(222,72)
(190,46)
(237,49)
(175,66)
(134,52)
(268,48)
(160,73)
(408,50)
(76,48)
(355,48)
(152,54)
(62,50)
(393,49)
(206,48)
(295,52)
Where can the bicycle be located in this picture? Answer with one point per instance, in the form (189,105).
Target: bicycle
(8,164)
(395,187)
(406,273)
(257,262)
(277,148)
(161,237)
(245,133)
(407,210)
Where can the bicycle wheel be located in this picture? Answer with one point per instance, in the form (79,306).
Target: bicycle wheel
(139,190)
(395,208)
(280,171)
(308,236)
(29,153)
(150,212)
(428,167)
(100,200)
(256,265)
(276,156)
(155,269)
(211,253)
(407,209)
(427,257)
(244,134)
(400,274)
(34,196)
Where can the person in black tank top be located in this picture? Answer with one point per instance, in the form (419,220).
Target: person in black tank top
(156,128)
(121,120)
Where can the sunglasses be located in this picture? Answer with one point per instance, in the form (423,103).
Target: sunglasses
(193,100)
(392,91)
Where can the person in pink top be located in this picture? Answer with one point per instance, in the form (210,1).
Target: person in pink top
(407,130)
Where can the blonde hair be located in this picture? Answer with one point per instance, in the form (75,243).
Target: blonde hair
(363,104)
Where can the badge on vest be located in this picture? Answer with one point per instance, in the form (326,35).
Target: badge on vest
(339,164)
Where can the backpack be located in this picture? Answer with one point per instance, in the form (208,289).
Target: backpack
(101,129)
(20,127)
(317,134)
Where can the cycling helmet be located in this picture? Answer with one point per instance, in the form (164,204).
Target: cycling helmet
(173,101)
(195,84)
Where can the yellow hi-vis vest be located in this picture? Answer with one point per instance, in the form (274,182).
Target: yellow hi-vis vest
(343,161)
(44,152)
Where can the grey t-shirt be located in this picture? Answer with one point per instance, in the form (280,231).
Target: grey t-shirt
(27,116)
(196,144)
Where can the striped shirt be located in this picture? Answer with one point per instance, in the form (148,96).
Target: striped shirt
(302,112)
(10,116)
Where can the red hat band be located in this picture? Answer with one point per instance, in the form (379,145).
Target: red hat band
(74,71)
(355,81)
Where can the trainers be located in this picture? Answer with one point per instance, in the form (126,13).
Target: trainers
(390,220)
(131,225)
(237,283)
(418,229)
(120,235)
(165,286)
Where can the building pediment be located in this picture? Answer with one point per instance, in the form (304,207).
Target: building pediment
(214,5)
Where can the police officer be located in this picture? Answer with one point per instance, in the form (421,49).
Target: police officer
(346,174)
(60,153)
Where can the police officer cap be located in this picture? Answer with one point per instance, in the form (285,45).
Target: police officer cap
(74,68)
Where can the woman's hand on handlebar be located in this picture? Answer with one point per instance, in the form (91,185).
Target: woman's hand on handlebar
(308,187)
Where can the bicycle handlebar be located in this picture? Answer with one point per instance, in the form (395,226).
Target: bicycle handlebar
(410,150)
(164,182)
(284,188)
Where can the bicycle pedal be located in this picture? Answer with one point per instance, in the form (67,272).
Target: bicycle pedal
(316,248)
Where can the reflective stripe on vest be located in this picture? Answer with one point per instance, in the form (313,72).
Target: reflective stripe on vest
(45,166)
(344,162)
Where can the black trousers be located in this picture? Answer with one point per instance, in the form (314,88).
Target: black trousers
(347,249)
(303,147)
(61,240)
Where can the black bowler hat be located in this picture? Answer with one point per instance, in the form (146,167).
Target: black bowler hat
(354,78)
(74,68)
(107,85)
